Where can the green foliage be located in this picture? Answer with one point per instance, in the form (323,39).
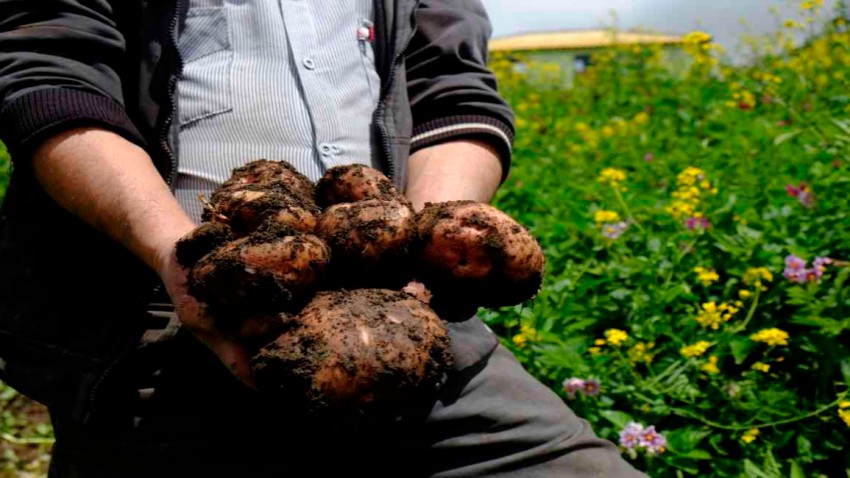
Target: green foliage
(5,167)
(768,147)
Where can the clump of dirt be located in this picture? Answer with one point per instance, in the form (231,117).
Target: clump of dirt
(200,242)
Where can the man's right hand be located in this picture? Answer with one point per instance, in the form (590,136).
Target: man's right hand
(112,185)
(193,316)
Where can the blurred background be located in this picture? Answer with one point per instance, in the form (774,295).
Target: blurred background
(686,166)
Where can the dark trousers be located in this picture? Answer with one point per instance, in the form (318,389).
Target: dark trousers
(491,419)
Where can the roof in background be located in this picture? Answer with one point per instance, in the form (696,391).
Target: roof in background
(581,39)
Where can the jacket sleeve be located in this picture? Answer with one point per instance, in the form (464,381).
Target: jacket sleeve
(59,69)
(452,92)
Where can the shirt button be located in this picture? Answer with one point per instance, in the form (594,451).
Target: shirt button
(336,149)
(325,149)
(309,63)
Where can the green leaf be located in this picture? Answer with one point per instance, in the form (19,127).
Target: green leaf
(751,470)
(617,418)
(785,137)
(740,347)
(796,470)
(697,455)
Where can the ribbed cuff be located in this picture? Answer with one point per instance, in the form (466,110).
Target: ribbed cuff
(31,118)
(490,130)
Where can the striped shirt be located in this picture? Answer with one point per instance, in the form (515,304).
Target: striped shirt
(275,79)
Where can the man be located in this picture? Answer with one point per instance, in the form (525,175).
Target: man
(99,99)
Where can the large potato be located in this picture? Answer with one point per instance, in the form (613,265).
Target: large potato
(245,208)
(370,241)
(261,273)
(477,254)
(352,183)
(267,173)
(366,354)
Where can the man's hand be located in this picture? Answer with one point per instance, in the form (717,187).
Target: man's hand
(112,185)
(457,170)
(193,316)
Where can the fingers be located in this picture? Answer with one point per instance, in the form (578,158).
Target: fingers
(231,353)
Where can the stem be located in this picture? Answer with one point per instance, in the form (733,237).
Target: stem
(619,195)
(26,441)
(688,414)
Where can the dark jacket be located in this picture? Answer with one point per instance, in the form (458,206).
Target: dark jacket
(71,300)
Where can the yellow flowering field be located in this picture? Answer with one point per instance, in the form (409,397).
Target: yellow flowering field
(696,221)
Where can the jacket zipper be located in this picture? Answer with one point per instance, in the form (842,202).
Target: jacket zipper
(171,175)
(381,111)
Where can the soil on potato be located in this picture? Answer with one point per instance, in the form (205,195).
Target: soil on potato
(357,357)
(246,207)
(200,242)
(371,242)
(473,249)
(352,183)
(260,274)
(264,171)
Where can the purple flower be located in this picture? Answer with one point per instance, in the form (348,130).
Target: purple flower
(648,157)
(573,385)
(802,192)
(630,436)
(796,271)
(653,441)
(591,387)
(614,230)
(819,266)
(697,222)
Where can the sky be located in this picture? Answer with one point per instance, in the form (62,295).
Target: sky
(721,18)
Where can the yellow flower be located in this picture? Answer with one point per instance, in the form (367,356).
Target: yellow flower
(807,5)
(745,294)
(750,435)
(706,276)
(599,342)
(616,337)
(711,365)
(607,131)
(527,334)
(695,350)
(697,37)
(712,315)
(602,217)
(790,23)
(772,337)
(844,404)
(640,352)
(519,340)
(612,176)
(754,276)
(845,416)
(641,118)
(761,367)
(594,350)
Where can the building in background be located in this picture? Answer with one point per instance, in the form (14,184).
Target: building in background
(571,52)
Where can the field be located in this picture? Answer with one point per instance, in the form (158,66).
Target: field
(696,222)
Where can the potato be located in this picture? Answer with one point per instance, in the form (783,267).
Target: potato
(370,241)
(268,173)
(245,208)
(261,273)
(472,252)
(352,183)
(366,354)
(201,241)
